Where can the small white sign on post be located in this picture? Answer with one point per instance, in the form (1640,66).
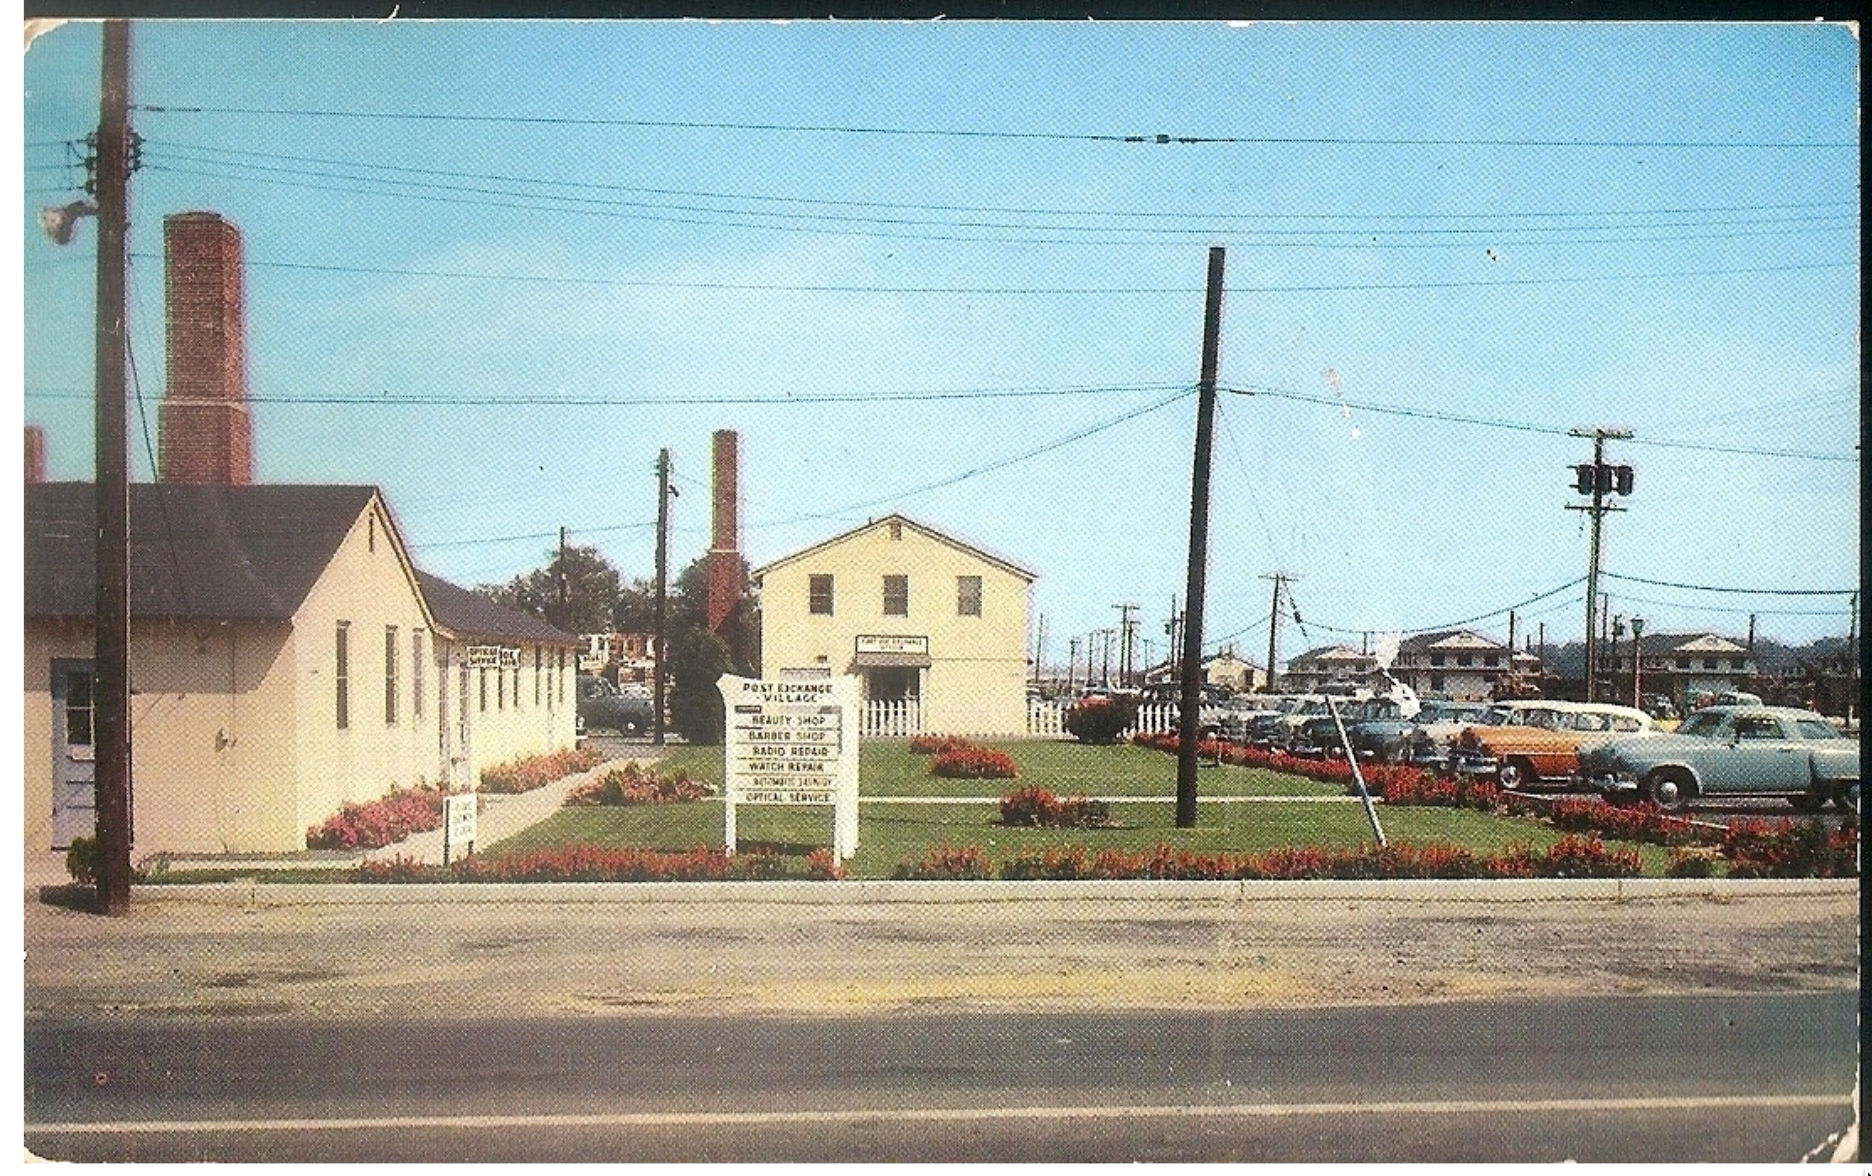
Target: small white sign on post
(793,742)
(458,823)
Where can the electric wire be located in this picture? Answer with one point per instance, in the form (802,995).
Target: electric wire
(1734,591)
(1158,138)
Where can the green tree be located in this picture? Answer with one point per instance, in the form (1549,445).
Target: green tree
(697,659)
(592,589)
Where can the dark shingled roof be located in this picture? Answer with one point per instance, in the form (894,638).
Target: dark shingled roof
(470,614)
(222,552)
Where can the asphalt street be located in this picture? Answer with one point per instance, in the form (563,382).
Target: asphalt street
(1713,1078)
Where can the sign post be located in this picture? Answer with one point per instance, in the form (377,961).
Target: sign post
(458,823)
(793,742)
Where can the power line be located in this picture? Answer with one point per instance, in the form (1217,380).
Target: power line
(894,229)
(1159,139)
(983,291)
(1524,427)
(386,400)
(1001,210)
(1734,591)
(1448,625)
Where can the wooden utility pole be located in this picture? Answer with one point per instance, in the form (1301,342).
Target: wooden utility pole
(1189,726)
(111,668)
(1274,624)
(658,639)
(565,611)
(1600,484)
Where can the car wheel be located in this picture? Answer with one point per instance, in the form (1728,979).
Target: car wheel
(1514,774)
(1396,754)
(1846,796)
(1670,791)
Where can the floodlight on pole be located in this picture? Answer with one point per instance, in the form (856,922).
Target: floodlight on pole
(62,222)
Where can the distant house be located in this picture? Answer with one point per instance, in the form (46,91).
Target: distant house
(285,657)
(920,617)
(1326,664)
(1458,663)
(1681,665)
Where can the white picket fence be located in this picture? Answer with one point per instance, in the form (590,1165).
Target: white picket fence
(903,717)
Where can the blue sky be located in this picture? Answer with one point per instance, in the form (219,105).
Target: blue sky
(494,268)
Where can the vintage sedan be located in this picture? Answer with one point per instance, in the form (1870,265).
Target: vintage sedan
(1541,743)
(1731,751)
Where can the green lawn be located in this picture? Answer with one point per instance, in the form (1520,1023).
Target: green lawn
(890,833)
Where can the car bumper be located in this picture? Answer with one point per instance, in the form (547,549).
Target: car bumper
(1607,784)
(1470,764)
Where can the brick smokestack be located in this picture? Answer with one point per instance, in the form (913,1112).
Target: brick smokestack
(724,559)
(206,432)
(35,454)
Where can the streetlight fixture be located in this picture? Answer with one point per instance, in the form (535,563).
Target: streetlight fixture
(1637,662)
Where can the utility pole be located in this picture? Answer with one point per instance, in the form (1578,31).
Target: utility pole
(1189,725)
(1125,625)
(1105,636)
(1039,651)
(565,611)
(1173,629)
(1637,662)
(1601,481)
(1852,660)
(110,674)
(1072,667)
(660,639)
(1274,623)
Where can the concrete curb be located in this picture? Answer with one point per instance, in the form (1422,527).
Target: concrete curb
(255,893)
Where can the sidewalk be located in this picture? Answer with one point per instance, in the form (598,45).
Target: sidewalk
(501,816)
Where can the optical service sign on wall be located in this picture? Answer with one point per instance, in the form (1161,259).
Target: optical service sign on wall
(794,742)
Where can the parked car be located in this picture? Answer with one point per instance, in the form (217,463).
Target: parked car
(1731,751)
(1540,742)
(1365,725)
(1422,739)
(602,706)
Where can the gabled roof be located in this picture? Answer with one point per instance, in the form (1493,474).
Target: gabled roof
(216,552)
(1429,640)
(469,614)
(980,553)
(1334,652)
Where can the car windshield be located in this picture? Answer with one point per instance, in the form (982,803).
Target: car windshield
(1815,729)
(1704,724)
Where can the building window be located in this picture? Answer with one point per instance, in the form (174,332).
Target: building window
(389,675)
(416,673)
(819,595)
(1462,659)
(896,530)
(1436,659)
(1709,663)
(78,708)
(562,677)
(484,688)
(896,596)
(371,542)
(1683,663)
(968,596)
(500,688)
(1492,661)
(1436,681)
(538,658)
(344,674)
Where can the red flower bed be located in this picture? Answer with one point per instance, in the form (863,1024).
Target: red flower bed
(1639,822)
(537,771)
(1571,857)
(948,863)
(586,863)
(1038,808)
(633,784)
(1791,849)
(969,762)
(377,823)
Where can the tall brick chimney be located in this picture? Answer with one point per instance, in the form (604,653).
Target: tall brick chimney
(206,432)
(724,558)
(35,454)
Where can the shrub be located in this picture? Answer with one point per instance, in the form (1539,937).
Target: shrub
(821,866)
(587,863)
(1639,822)
(633,784)
(81,860)
(1101,720)
(530,772)
(1574,856)
(1040,809)
(945,862)
(973,763)
(378,823)
(1051,865)
(1790,849)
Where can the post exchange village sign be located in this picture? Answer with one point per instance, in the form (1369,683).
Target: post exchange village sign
(793,742)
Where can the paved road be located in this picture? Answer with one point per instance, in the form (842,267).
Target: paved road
(1620,1079)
